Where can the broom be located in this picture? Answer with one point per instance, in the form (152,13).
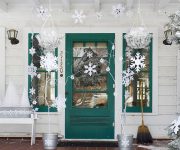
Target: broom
(143,134)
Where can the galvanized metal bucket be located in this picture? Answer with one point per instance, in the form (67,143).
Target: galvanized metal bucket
(125,142)
(50,141)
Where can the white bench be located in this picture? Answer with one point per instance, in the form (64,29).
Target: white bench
(30,121)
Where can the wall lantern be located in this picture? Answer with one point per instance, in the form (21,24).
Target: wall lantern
(12,36)
(168,37)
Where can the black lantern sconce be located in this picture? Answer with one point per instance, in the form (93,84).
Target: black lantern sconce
(168,37)
(12,36)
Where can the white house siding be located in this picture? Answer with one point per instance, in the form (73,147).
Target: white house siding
(16,69)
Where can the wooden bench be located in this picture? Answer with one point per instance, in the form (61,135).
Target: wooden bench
(31,121)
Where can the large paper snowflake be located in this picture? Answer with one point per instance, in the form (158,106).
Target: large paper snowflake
(32,70)
(78,16)
(125,142)
(137,62)
(42,12)
(89,54)
(118,10)
(175,125)
(90,69)
(127,77)
(49,62)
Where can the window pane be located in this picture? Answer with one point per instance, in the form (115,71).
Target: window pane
(89,100)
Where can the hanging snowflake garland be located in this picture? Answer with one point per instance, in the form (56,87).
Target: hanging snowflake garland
(90,68)
(137,62)
(49,62)
(118,10)
(127,77)
(78,16)
(99,15)
(32,70)
(32,91)
(42,12)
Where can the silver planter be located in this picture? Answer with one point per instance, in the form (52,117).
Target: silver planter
(125,142)
(50,141)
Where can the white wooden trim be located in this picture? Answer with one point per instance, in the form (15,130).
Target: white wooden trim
(2,62)
(178,81)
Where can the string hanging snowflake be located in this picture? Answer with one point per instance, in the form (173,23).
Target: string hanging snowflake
(175,125)
(78,16)
(127,77)
(118,10)
(137,62)
(42,12)
(49,62)
(32,70)
(90,69)
(32,51)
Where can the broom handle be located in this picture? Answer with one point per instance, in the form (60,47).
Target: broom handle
(141,92)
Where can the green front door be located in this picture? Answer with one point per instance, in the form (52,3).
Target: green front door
(89,86)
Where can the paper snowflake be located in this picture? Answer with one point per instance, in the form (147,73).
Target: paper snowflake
(59,103)
(78,16)
(175,125)
(102,60)
(89,54)
(42,12)
(90,69)
(125,142)
(137,62)
(107,69)
(32,70)
(32,51)
(118,10)
(32,91)
(72,77)
(127,77)
(99,15)
(34,102)
(49,62)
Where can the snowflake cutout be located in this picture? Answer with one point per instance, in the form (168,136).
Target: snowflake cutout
(175,125)
(127,77)
(72,77)
(99,15)
(32,51)
(47,142)
(49,62)
(125,142)
(137,62)
(34,102)
(90,69)
(78,16)
(32,70)
(42,12)
(118,10)
(107,69)
(102,60)
(32,91)
(89,54)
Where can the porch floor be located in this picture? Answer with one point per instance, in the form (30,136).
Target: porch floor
(24,144)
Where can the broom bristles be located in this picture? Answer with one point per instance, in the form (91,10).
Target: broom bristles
(143,135)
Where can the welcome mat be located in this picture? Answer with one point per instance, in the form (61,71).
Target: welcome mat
(88,144)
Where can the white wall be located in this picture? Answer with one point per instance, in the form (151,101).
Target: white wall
(16,68)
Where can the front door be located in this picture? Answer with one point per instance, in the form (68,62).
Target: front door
(89,86)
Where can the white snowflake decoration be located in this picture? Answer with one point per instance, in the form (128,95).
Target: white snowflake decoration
(118,10)
(32,91)
(49,62)
(102,60)
(32,51)
(127,77)
(125,142)
(99,15)
(72,77)
(89,54)
(137,62)
(113,46)
(42,12)
(90,69)
(175,125)
(78,16)
(47,142)
(107,69)
(34,102)
(32,70)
